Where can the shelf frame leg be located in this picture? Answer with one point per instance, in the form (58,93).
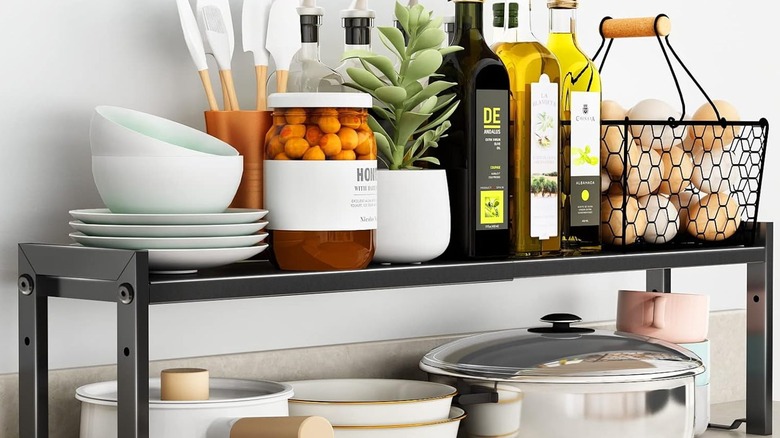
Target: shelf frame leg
(759,339)
(133,349)
(659,280)
(33,352)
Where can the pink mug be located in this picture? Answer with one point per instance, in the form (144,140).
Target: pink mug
(678,318)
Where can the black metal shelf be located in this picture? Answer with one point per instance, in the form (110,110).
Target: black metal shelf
(123,277)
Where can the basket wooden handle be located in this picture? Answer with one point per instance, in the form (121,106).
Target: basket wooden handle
(636,27)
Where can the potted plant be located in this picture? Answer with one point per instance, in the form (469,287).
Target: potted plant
(409,118)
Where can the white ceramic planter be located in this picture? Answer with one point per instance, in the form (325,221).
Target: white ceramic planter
(413,220)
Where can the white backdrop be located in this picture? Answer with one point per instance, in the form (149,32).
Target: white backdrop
(62,58)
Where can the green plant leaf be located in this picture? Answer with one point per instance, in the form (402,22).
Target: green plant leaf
(429,39)
(402,15)
(383,113)
(407,125)
(424,19)
(384,65)
(428,105)
(365,78)
(443,117)
(393,39)
(357,53)
(383,146)
(425,64)
(377,127)
(412,89)
(435,23)
(358,87)
(391,94)
(433,89)
(443,101)
(451,49)
(414,18)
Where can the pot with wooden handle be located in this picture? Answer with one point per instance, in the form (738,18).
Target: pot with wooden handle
(229,400)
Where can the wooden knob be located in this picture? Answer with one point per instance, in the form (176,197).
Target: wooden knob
(282,427)
(636,27)
(184,384)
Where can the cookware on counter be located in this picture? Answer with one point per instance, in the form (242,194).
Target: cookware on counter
(447,428)
(374,402)
(572,381)
(229,400)
(678,318)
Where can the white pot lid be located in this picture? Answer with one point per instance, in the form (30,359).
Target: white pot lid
(562,354)
(221,392)
(320,100)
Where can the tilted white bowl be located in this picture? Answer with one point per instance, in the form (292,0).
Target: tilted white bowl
(447,428)
(116,131)
(167,184)
(372,402)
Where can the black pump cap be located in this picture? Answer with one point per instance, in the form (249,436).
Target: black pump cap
(358,30)
(310,28)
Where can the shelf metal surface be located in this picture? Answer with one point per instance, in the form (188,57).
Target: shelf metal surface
(254,279)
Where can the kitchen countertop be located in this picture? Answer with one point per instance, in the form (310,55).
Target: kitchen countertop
(725,413)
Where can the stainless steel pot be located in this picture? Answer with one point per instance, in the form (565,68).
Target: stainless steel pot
(565,381)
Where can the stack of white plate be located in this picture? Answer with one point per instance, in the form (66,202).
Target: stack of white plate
(177,243)
(167,187)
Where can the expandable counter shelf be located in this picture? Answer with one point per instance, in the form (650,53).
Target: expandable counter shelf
(123,277)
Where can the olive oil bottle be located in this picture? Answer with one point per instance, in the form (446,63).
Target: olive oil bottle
(581,105)
(534,75)
(475,153)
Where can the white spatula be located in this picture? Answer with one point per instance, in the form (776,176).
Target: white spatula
(224,8)
(217,36)
(195,45)
(284,39)
(254,24)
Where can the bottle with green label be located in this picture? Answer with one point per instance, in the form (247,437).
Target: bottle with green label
(534,75)
(475,152)
(581,105)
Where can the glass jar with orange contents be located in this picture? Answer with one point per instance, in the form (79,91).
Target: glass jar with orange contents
(320,181)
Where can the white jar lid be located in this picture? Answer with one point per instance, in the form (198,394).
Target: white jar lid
(320,100)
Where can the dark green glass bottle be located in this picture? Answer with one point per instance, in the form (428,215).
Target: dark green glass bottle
(475,153)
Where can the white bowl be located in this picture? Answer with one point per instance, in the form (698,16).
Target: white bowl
(372,402)
(116,131)
(447,428)
(167,184)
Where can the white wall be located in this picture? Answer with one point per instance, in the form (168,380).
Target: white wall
(62,58)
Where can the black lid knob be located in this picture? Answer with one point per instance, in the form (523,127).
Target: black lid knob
(561,323)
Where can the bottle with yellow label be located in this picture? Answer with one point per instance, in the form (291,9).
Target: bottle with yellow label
(581,105)
(534,74)
(475,152)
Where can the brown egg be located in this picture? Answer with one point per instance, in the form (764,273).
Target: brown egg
(714,135)
(676,171)
(714,170)
(614,218)
(644,174)
(612,142)
(715,217)
(684,202)
(611,110)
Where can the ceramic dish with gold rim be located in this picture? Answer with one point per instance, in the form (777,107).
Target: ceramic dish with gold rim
(447,428)
(372,402)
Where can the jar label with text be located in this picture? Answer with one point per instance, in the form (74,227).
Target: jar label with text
(320,196)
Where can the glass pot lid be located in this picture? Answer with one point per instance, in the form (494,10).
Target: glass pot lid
(561,353)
